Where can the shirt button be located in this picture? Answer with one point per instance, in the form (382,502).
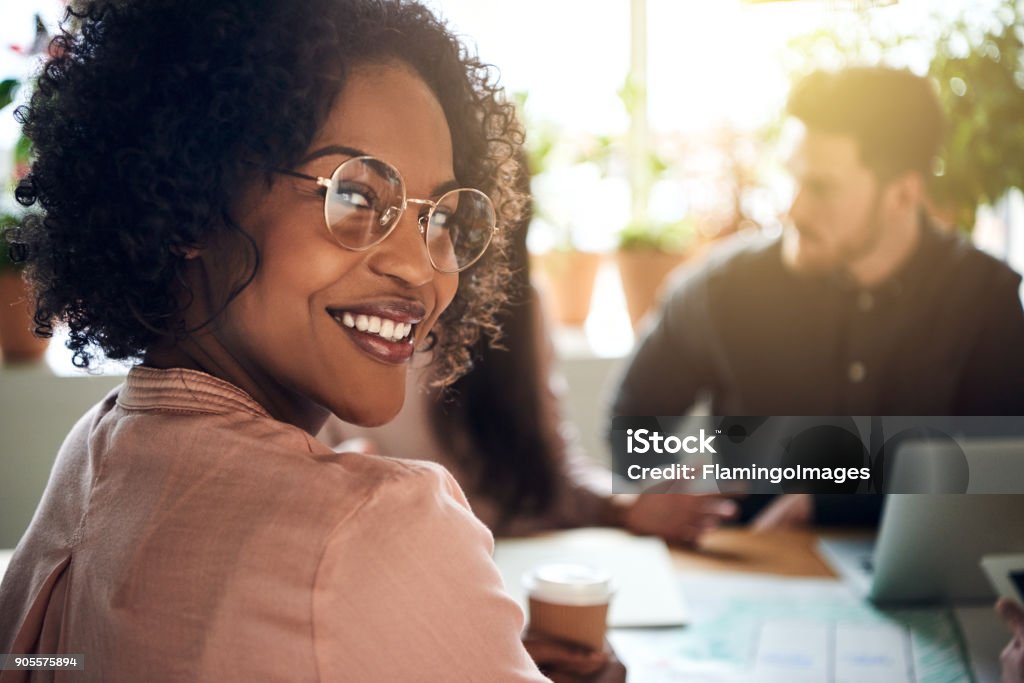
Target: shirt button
(865,301)
(856,372)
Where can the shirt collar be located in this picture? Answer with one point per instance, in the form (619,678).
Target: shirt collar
(148,388)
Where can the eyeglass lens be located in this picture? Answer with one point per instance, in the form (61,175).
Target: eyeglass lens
(365,199)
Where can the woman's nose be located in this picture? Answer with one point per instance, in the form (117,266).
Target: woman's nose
(403,255)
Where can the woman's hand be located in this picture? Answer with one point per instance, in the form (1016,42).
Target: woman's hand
(1012,658)
(564,662)
(785,512)
(676,517)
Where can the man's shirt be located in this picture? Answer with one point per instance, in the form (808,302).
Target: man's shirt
(943,336)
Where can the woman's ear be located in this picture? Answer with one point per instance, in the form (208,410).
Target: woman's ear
(188,253)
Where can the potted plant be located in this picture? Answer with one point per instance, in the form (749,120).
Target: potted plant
(647,253)
(568,275)
(648,249)
(565,273)
(18,344)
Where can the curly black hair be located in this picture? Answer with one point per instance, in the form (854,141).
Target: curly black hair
(150,114)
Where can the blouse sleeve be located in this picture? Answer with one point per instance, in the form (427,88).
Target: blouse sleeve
(407,591)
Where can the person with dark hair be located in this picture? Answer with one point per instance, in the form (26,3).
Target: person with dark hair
(862,307)
(499,429)
(268,207)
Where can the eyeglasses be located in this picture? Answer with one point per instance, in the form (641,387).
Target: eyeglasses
(365,198)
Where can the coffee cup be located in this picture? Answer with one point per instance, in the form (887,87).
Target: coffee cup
(569,602)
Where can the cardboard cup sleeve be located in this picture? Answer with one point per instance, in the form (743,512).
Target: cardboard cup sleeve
(569,602)
(582,624)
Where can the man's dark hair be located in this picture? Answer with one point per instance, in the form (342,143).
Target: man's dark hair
(894,116)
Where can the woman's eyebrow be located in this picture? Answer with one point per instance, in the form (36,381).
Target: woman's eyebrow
(333,149)
(446,186)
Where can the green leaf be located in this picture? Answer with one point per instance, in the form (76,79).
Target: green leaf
(22,150)
(8,89)
(674,237)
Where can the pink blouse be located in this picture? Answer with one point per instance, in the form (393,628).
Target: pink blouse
(187,535)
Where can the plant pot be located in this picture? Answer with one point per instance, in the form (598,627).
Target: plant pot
(17,343)
(568,277)
(642,273)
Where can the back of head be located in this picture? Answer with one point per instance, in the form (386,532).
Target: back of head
(894,116)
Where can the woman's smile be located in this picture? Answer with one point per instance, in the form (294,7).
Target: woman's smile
(384,329)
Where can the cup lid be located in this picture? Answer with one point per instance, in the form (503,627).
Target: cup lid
(569,584)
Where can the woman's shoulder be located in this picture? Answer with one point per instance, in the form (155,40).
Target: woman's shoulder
(189,427)
(396,487)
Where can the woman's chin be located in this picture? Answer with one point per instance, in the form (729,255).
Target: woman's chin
(369,413)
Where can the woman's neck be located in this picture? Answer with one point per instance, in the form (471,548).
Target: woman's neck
(282,403)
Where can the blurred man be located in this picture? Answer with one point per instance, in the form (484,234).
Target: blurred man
(862,307)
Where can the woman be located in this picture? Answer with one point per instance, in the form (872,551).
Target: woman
(223,191)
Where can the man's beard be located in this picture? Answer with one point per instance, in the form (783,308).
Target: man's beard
(870,235)
(842,255)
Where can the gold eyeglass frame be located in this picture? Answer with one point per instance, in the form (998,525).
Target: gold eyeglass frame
(422,221)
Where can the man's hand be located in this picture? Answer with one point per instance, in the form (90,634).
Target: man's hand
(676,517)
(566,662)
(1012,658)
(786,511)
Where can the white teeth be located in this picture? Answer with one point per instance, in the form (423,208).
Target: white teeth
(387,329)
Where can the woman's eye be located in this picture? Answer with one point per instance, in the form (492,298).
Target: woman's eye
(359,198)
(354,198)
(441,218)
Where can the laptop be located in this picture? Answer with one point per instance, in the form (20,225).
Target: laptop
(929,545)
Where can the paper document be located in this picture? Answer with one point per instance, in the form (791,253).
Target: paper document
(646,590)
(792,652)
(815,651)
(763,628)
